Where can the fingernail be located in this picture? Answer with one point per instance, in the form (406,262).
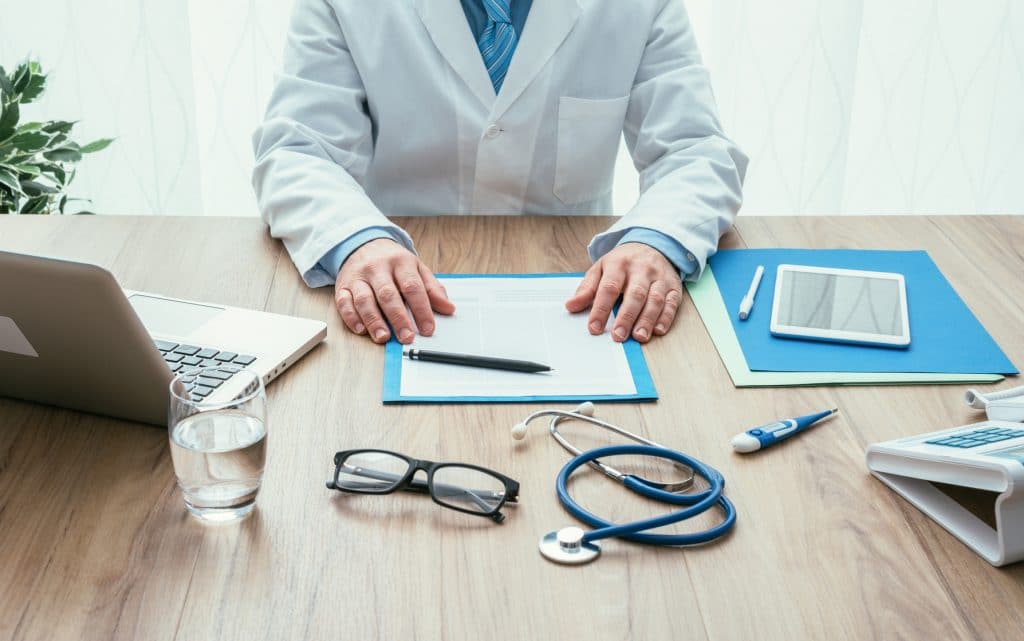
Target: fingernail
(360,328)
(380,335)
(595,327)
(620,333)
(427,329)
(641,333)
(659,328)
(406,335)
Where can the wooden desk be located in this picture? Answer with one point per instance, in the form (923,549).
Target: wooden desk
(95,542)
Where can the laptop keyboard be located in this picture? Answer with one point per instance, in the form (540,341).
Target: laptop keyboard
(180,357)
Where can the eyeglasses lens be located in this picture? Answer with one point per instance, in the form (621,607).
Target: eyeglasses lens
(371,472)
(467,489)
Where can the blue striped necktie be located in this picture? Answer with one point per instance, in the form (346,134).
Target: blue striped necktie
(498,41)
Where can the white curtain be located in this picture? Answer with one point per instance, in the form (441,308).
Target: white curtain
(845,106)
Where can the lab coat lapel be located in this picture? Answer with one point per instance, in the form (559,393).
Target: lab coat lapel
(446,22)
(547,26)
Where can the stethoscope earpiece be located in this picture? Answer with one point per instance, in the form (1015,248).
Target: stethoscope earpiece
(586,409)
(583,409)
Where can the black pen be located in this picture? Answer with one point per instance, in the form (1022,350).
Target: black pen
(468,360)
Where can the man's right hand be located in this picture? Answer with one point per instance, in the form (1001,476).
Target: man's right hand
(376,283)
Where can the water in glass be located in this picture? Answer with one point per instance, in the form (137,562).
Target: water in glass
(219,458)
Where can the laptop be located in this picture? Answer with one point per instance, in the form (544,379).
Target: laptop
(71,337)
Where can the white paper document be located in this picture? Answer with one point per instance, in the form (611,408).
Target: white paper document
(522,318)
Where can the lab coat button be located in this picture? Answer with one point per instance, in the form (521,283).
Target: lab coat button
(493,131)
(690,257)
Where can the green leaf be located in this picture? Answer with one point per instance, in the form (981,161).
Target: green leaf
(30,170)
(58,126)
(6,88)
(18,159)
(10,181)
(26,75)
(31,141)
(34,88)
(54,170)
(33,188)
(22,74)
(37,205)
(64,154)
(9,120)
(97,145)
(63,203)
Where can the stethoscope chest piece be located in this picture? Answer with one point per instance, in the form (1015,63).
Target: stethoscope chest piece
(567,546)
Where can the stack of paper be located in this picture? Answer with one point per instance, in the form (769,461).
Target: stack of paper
(520,317)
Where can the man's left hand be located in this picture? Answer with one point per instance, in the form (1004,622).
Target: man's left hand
(648,283)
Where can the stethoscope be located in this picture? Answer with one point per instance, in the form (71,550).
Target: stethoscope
(572,545)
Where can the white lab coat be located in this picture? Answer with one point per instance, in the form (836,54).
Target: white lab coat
(384,107)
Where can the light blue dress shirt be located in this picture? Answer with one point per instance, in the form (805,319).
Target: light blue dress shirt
(476,15)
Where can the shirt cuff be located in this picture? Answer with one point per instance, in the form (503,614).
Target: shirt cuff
(334,259)
(676,254)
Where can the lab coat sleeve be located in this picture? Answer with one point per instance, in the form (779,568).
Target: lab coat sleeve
(669,247)
(691,174)
(314,146)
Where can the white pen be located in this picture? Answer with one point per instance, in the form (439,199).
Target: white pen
(748,300)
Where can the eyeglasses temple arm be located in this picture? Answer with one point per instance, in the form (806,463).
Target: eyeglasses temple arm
(415,485)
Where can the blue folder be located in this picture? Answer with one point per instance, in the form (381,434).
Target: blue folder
(393,362)
(945,336)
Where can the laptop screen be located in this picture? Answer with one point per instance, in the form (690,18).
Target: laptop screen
(171,317)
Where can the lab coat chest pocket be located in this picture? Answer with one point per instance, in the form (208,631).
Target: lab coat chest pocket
(588,143)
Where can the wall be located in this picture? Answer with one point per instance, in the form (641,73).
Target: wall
(846,106)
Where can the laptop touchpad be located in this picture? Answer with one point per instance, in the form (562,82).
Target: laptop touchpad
(172,317)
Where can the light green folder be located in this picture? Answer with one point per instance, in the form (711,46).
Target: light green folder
(711,307)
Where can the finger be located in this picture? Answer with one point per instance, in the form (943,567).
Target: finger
(347,310)
(652,311)
(613,277)
(410,284)
(634,297)
(673,299)
(436,293)
(586,291)
(369,312)
(389,298)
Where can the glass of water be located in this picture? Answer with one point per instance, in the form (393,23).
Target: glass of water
(218,440)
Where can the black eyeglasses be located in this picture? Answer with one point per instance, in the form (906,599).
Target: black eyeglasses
(466,488)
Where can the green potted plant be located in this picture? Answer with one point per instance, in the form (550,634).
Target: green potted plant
(37,159)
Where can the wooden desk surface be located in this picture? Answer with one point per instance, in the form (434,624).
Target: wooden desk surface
(95,542)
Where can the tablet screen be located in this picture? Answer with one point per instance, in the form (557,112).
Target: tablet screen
(839,302)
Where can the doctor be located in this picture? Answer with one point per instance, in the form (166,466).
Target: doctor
(427,107)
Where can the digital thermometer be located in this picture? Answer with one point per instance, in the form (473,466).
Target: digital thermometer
(764,436)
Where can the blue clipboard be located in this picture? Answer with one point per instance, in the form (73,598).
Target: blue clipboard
(393,362)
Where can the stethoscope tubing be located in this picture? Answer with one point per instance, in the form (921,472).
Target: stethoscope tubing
(557,416)
(699,502)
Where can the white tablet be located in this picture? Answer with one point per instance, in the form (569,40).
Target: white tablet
(840,305)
